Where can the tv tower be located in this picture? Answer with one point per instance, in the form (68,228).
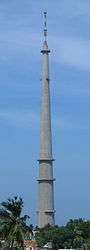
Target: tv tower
(46,212)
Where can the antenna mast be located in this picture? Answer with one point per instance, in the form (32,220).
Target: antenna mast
(45,25)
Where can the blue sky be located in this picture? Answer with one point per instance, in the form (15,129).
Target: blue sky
(21,37)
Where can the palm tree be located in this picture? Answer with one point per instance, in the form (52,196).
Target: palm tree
(13,227)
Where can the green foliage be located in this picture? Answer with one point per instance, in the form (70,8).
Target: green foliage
(13,226)
(14,229)
(73,235)
(87,244)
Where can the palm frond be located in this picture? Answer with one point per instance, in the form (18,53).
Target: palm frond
(13,205)
(4,213)
(12,225)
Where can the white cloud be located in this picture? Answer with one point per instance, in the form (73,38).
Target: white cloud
(69,123)
(23,119)
(74,89)
(72,51)
(21,38)
(29,119)
(73,8)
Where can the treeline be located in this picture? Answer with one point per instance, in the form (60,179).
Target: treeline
(75,234)
(15,229)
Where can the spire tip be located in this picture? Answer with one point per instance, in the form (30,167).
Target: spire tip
(45,25)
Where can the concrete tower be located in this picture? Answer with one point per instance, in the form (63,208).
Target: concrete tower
(45,180)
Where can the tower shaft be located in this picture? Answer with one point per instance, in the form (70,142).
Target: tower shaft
(45,180)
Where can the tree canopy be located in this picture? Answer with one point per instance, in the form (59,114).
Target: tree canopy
(75,234)
(14,229)
(13,226)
